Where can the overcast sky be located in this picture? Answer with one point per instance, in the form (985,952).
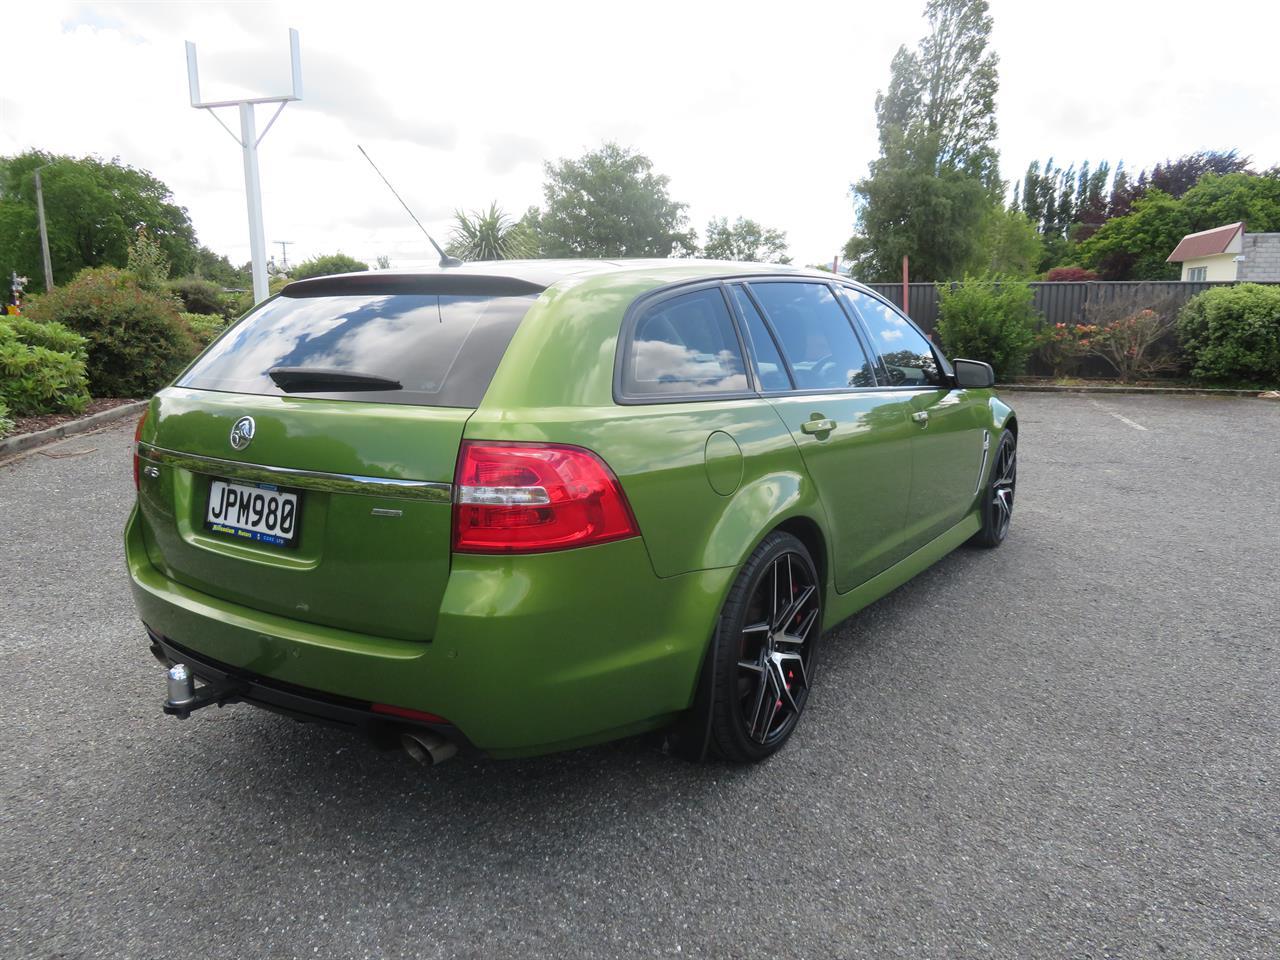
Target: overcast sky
(751,109)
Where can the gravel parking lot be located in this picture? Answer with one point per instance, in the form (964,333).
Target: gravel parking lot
(1068,747)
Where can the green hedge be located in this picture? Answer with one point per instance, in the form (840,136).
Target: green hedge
(6,422)
(197,295)
(137,339)
(54,336)
(35,380)
(990,320)
(203,327)
(1232,334)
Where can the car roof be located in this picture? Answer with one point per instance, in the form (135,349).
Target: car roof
(541,274)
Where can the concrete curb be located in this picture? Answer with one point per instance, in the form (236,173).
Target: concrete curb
(1158,391)
(26,441)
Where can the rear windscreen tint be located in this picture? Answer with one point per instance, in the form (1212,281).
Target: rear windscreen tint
(442,348)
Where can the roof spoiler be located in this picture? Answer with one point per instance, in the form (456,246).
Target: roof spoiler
(379,283)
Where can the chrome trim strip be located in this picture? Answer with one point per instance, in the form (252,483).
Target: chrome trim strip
(982,468)
(302,479)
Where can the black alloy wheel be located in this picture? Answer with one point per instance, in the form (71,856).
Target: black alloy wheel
(997,503)
(765,645)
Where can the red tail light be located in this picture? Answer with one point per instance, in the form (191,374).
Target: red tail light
(137,435)
(532,497)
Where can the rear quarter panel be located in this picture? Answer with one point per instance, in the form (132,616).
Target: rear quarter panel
(555,385)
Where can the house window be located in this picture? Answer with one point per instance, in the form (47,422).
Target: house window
(1197,274)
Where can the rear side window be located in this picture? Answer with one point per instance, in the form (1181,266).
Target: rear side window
(443,349)
(907,357)
(769,366)
(816,335)
(684,345)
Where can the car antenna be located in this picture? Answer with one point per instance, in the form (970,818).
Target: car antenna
(445,259)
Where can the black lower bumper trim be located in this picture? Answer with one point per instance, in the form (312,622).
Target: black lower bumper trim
(300,703)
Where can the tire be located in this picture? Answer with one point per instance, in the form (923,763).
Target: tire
(998,494)
(757,676)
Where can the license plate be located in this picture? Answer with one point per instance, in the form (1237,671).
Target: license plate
(256,513)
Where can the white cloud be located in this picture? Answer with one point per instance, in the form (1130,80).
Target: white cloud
(752,109)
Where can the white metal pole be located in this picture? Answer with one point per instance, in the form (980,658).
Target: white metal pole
(44,235)
(253,197)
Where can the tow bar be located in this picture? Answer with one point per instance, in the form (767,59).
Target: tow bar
(184,697)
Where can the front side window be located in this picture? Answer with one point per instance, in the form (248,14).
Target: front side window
(1197,274)
(815,335)
(684,345)
(429,349)
(907,357)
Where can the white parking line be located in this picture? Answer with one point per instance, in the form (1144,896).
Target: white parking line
(1122,419)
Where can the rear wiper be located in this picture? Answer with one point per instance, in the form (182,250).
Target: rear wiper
(325,380)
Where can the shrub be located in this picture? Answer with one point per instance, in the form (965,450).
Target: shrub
(52,335)
(36,380)
(147,262)
(197,296)
(137,341)
(204,328)
(1067,274)
(1135,334)
(1233,333)
(6,422)
(988,320)
(1063,346)
(323,266)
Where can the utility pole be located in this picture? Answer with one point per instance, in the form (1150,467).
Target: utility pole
(249,139)
(44,231)
(284,254)
(906,288)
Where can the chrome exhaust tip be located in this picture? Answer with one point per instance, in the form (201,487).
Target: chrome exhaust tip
(426,747)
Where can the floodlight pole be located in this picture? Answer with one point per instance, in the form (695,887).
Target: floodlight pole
(249,139)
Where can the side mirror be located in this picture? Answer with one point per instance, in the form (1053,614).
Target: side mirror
(973,373)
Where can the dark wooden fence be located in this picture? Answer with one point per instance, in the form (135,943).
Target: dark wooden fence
(1057,302)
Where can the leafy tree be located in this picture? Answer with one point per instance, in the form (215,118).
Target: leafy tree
(1135,246)
(218,269)
(745,241)
(383,262)
(610,203)
(929,192)
(1176,177)
(323,266)
(1123,193)
(92,208)
(1011,245)
(490,235)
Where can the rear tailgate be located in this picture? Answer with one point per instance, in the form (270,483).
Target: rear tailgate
(373,528)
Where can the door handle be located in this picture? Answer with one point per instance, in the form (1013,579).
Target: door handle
(820,425)
(921,417)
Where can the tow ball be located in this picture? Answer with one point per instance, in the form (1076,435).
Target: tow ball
(184,696)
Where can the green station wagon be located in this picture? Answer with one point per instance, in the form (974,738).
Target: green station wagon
(526,506)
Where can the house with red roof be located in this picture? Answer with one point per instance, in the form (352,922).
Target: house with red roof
(1228,253)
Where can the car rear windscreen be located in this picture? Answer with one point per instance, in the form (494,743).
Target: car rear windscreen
(443,349)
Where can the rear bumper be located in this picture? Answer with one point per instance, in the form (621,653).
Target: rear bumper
(309,706)
(530,654)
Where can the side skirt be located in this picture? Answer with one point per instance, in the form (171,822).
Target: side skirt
(841,606)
